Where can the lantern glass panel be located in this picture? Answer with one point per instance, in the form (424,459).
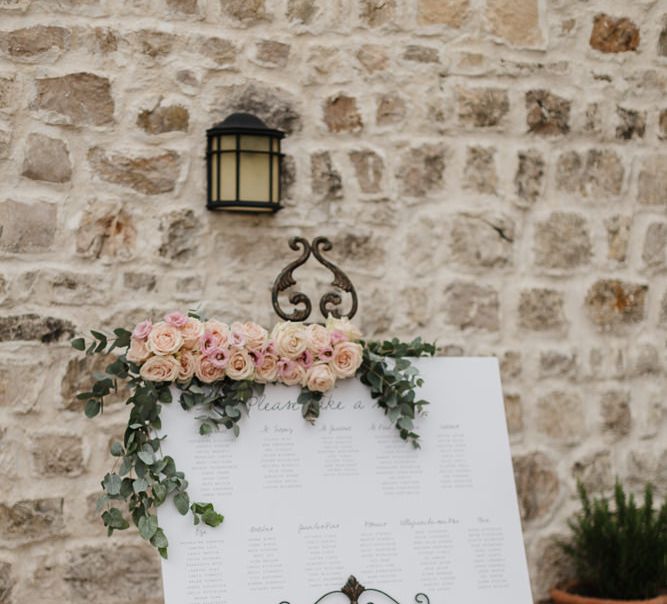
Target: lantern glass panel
(214,169)
(276,178)
(255,143)
(254,177)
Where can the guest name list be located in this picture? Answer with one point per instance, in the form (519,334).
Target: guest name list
(306,506)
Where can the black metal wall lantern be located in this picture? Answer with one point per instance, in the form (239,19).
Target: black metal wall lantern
(244,164)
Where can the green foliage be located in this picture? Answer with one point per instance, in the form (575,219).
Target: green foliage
(143,478)
(619,552)
(394,384)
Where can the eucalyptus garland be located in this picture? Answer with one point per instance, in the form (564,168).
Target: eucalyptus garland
(142,478)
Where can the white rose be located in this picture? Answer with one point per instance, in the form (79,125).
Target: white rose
(290,339)
(256,335)
(318,338)
(345,326)
(207,372)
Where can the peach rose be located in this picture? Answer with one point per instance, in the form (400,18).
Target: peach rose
(138,351)
(164,339)
(266,371)
(237,336)
(320,378)
(240,366)
(290,339)
(207,372)
(142,330)
(160,369)
(188,364)
(347,357)
(318,338)
(191,332)
(256,335)
(344,325)
(291,373)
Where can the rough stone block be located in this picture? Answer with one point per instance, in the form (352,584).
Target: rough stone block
(546,113)
(14,328)
(537,485)
(653,181)
(391,109)
(47,159)
(43,43)
(443,12)
(615,413)
(614,34)
(55,455)
(596,173)
(480,170)
(618,237)
(631,123)
(654,253)
(542,310)
(151,175)
(471,306)
(560,416)
(27,227)
(106,230)
(248,12)
(611,303)
(482,107)
(369,169)
(326,180)
(341,114)
(562,241)
(482,241)
(180,235)
(529,178)
(164,118)
(421,170)
(515,21)
(376,13)
(272,53)
(80,99)
(31,520)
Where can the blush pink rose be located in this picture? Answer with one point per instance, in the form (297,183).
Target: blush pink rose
(266,371)
(291,373)
(160,369)
(320,378)
(164,339)
(191,332)
(219,331)
(138,351)
(306,359)
(207,372)
(188,363)
(240,366)
(219,357)
(337,336)
(347,358)
(256,335)
(142,330)
(176,319)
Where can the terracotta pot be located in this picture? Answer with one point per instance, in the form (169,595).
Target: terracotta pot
(565,597)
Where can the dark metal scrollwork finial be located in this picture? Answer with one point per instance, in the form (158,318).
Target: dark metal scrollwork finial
(330,301)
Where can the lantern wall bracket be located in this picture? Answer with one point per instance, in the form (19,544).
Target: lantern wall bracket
(330,302)
(353,590)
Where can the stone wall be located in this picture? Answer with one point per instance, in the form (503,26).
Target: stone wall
(493,174)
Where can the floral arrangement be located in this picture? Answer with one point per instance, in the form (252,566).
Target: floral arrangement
(218,368)
(181,348)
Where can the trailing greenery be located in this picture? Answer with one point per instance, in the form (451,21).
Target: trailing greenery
(619,552)
(142,478)
(393,384)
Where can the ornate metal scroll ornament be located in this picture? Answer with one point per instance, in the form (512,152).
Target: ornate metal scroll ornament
(353,590)
(329,301)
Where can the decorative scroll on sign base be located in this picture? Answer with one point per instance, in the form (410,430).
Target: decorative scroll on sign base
(353,590)
(330,302)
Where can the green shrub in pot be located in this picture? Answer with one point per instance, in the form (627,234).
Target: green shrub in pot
(619,549)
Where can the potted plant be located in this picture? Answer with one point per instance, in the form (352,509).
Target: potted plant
(619,552)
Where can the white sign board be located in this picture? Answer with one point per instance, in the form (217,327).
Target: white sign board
(306,506)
